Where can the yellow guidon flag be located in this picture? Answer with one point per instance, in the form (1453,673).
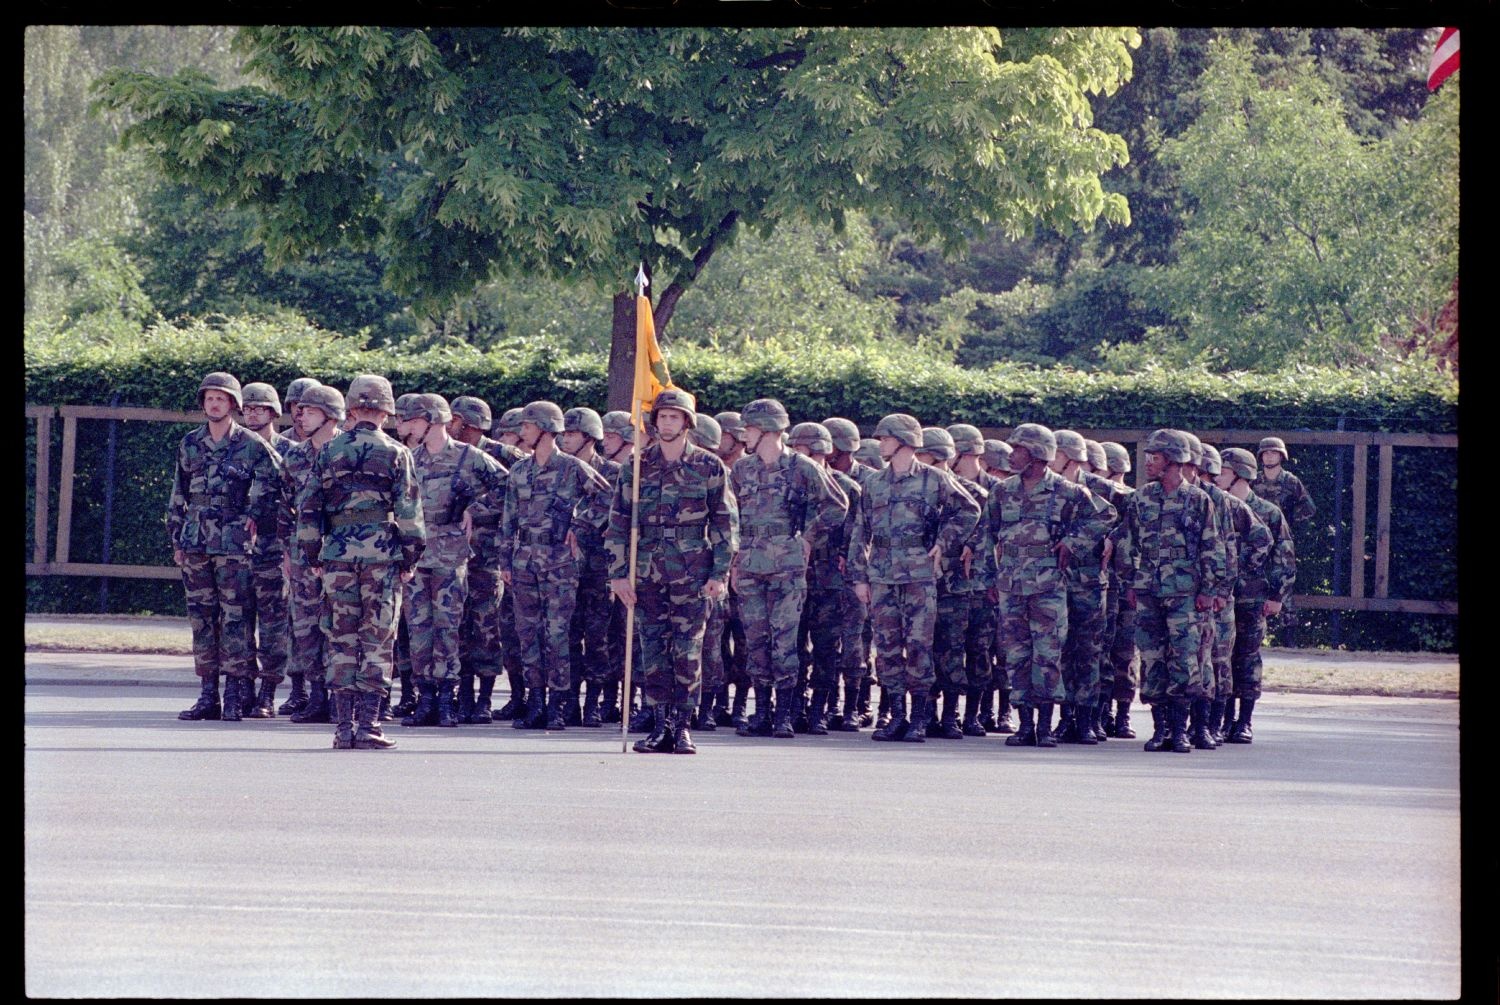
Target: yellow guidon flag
(651,377)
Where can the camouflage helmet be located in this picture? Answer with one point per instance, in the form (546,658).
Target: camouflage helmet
(370,390)
(407,407)
(1038,440)
(765,413)
(1117,456)
(297,388)
(1072,445)
(544,415)
(905,428)
(937,442)
(1273,443)
(220,381)
(585,421)
(473,411)
(1241,462)
(1212,462)
(325,399)
(1097,460)
(997,454)
(730,422)
(673,397)
(1170,443)
(843,433)
(706,432)
(868,452)
(433,408)
(812,435)
(510,421)
(1195,449)
(618,422)
(262,394)
(967,439)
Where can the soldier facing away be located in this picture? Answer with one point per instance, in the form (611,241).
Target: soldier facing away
(269,613)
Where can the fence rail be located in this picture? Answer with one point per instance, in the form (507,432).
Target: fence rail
(1356,600)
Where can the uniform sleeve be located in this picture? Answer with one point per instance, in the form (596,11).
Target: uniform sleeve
(1255,548)
(266,498)
(723,522)
(310,510)
(406,506)
(1128,546)
(593,494)
(1302,506)
(1281,565)
(857,551)
(1090,518)
(177,501)
(1212,564)
(486,479)
(829,504)
(617,529)
(958,514)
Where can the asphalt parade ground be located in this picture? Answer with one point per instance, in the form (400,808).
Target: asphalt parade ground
(168,858)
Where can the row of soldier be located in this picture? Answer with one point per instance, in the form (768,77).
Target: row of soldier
(1022,572)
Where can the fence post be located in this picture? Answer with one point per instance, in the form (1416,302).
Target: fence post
(65,489)
(109,502)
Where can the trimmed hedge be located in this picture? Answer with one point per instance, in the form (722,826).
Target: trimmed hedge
(163,369)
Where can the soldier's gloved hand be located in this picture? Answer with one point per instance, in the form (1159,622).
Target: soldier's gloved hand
(936,554)
(862,591)
(1203,602)
(624,591)
(1272,608)
(715,589)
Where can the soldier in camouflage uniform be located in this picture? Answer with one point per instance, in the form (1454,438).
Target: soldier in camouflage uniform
(831,623)
(853,621)
(227,487)
(867,458)
(268,610)
(787,509)
(1286,492)
(706,433)
(453,476)
(996,463)
(1172,560)
(507,451)
(1088,597)
(588,638)
(981,579)
(1042,524)
(1255,598)
(619,441)
(1121,666)
(909,517)
(687,525)
(360,525)
(320,410)
(407,408)
(731,641)
(545,505)
(294,392)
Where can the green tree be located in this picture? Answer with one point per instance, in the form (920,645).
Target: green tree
(576,152)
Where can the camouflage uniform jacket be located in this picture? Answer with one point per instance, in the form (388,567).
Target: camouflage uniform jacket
(686,508)
(220,488)
(595,512)
(453,480)
(363,503)
(982,572)
(1027,527)
(1279,572)
(485,512)
(271,546)
(541,507)
(901,517)
(1170,546)
(823,571)
(1286,493)
(1088,569)
(1247,540)
(778,503)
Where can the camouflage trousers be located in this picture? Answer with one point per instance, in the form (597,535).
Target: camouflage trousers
(1121,668)
(903,620)
(269,610)
(1034,626)
(771,609)
(821,615)
(1169,634)
(961,640)
(588,635)
(712,660)
(309,642)
(219,601)
(403,635)
(1222,652)
(1249,631)
(479,635)
(362,608)
(544,602)
(1083,649)
(1206,651)
(670,619)
(434,617)
(510,637)
(732,644)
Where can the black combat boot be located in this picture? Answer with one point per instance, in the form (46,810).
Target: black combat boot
(660,740)
(757,723)
(708,715)
(557,709)
(425,714)
(1044,737)
(817,713)
(642,720)
(1026,735)
(884,712)
(949,729)
(265,701)
(343,717)
(973,702)
(1216,720)
(932,727)
(987,709)
(465,711)
(1122,721)
(851,708)
(573,706)
(610,704)
(865,718)
(1199,732)
(247,697)
(483,713)
(786,712)
(316,709)
(1067,730)
(447,713)
(368,734)
(207,706)
(1002,717)
(1226,719)
(1240,731)
(799,710)
(682,740)
(297,698)
(1160,724)
(516,706)
(408,703)
(921,702)
(893,710)
(722,715)
(1179,716)
(588,713)
(832,717)
(1083,713)
(384,714)
(1102,722)
(234,706)
(534,716)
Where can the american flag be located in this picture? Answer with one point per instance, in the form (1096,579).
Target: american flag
(1444,58)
